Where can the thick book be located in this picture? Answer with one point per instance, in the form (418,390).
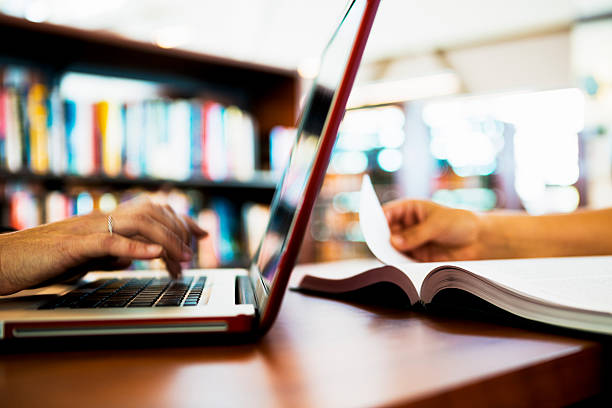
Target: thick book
(572,292)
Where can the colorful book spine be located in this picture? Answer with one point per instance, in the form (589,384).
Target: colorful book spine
(239,135)
(178,141)
(57,207)
(82,138)
(3,125)
(281,142)
(38,135)
(196,131)
(134,137)
(58,160)
(95,136)
(109,128)
(208,249)
(70,112)
(14,158)
(215,164)
(24,209)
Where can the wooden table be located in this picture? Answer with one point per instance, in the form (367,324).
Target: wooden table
(320,353)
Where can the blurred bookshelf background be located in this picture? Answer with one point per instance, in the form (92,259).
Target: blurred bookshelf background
(484,105)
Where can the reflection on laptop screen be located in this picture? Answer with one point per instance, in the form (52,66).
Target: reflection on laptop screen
(289,195)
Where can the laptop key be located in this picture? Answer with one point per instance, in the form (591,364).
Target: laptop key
(88,304)
(141,304)
(114,304)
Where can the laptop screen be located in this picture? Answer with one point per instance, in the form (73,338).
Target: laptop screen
(290,191)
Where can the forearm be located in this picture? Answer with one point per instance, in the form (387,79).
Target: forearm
(522,236)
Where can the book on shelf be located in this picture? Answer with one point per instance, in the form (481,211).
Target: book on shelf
(571,292)
(45,129)
(281,141)
(255,220)
(208,249)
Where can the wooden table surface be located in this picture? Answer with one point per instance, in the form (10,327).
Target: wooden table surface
(319,353)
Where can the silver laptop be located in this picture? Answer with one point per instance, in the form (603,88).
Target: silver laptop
(213,300)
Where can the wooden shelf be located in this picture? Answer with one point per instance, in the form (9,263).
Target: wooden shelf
(259,189)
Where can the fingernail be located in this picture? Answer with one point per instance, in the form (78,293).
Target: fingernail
(187,254)
(154,249)
(397,240)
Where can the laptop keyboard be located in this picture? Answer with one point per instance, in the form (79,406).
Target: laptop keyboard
(137,292)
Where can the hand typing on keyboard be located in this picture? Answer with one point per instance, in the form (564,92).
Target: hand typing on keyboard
(138,229)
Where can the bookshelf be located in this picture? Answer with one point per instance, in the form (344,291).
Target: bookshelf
(267,96)
(269,93)
(259,189)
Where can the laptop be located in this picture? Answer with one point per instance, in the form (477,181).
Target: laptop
(239,301)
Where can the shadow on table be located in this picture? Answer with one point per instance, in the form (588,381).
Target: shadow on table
(449,305)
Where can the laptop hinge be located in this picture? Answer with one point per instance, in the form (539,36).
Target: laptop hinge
(258,287)
(244,291)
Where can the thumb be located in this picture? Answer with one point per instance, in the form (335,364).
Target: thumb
(413,237)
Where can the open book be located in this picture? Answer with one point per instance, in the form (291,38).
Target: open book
(573,292)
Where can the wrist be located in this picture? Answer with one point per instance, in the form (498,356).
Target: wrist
(492,240)
(8,284)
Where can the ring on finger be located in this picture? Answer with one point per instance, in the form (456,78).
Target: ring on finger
(110,222)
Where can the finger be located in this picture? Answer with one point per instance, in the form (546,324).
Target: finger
(103,244)
(164,257)
(173,267)
(179,223)
(194,227)
(429,253)
(151,230)
(165,215)
(392,209)
(140,238)
(413,237)
(143,210)
(443,253)
(401,213)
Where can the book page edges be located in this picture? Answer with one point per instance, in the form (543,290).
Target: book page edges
(361,280)
(515,302)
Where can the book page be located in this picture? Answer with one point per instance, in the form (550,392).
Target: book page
(578,282)
(377,235)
